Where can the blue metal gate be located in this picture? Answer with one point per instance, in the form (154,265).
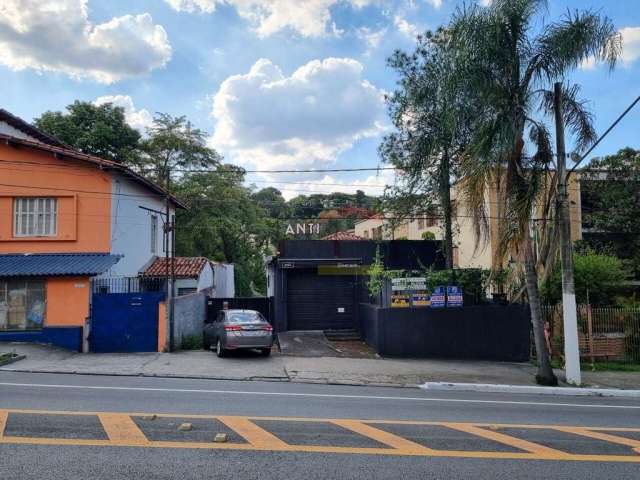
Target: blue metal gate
(124,322)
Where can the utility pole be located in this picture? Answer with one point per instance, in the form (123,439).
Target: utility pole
(168,229)
(569,310)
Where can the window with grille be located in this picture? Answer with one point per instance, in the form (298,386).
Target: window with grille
(35,217)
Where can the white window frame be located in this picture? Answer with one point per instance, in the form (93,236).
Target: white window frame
(35,217)
(154,233)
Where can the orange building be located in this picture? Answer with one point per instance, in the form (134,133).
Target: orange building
(66,217)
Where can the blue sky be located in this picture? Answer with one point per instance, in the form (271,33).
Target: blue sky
(276,83)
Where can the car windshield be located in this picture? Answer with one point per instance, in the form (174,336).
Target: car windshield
(243,317)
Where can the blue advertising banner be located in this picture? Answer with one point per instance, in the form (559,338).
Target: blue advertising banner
(437,297)
(454,296)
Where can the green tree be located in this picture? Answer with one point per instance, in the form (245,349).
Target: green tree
(507,64)
(598,278)
(225,224)
(610,190)
(173,143)
(99,130)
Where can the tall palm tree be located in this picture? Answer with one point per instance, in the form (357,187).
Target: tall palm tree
(510,59)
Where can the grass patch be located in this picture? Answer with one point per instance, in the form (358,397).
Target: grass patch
(5,357)
(191,342)
(612,367)
(602,366)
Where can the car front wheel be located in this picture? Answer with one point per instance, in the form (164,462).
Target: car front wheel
(221,352)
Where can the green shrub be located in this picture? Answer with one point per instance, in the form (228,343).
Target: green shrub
(428,236)
(191,342)
(472,281)
(596,276)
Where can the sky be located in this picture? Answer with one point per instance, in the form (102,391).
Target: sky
(276,84)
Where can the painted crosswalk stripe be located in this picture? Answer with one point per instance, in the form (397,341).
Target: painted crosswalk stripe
(381,436)
(121,429)
(506,439)
(256,436)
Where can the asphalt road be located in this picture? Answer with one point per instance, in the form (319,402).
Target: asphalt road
(74,426)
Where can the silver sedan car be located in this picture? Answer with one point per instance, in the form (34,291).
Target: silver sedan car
(238,329)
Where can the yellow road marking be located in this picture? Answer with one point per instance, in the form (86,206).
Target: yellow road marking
(121,429)
(256,436)
(123,432)
(506,439)
(381,436)
(322,449)
(3,422)
(585,432)
(322,420)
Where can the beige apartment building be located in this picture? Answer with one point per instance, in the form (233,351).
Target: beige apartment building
(466,254)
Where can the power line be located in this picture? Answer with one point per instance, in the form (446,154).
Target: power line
(611,127)
(223,172)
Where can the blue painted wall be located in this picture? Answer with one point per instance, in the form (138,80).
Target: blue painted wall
(65,337)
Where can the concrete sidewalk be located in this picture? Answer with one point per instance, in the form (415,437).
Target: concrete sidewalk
(333,370)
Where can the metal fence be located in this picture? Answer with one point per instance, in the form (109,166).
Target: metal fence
(127,285)
(604,333)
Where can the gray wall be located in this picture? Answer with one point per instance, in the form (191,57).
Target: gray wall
(189,314)
(224,280)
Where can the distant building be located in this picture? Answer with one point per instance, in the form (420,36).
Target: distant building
(466,254)
(195,274)
(344,235)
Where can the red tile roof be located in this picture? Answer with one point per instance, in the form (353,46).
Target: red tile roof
(185,267)
(342,236)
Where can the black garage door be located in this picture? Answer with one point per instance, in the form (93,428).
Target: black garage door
(320,302)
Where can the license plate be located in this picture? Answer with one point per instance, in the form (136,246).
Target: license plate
(253,333)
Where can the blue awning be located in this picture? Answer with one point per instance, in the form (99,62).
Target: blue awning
(55,264)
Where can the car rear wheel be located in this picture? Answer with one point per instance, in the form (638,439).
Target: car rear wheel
(265,352)
(221,352)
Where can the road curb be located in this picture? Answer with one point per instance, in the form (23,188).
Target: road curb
(530,389)
(294,379)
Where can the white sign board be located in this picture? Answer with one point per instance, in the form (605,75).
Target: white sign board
(410,283)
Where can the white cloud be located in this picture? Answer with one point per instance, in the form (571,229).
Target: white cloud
(630,49)
(56,35)
(588,64)
(309,18)
(192,6)
(268,120)
(138,119)
(630,44)
(485,3)
(407,29)
(371,38)
(437,3)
